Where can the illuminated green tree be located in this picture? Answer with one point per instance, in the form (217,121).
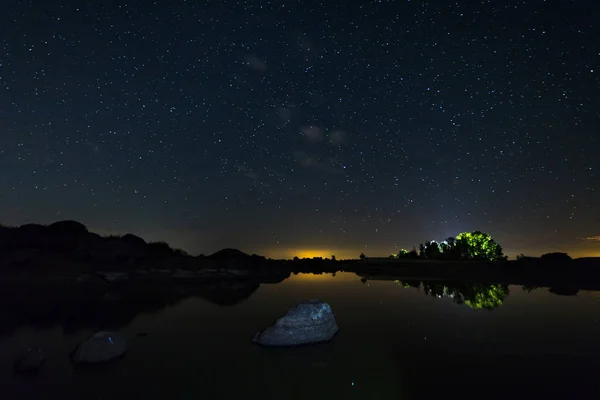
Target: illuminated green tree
(475,295)
(478,246)
(486,297)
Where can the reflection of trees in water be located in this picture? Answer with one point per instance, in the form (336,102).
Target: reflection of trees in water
(558,290)
(475,295)
(76,309)
(564,290)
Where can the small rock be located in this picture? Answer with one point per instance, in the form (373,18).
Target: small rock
(30,361)
(183,274)
(112,277)
(308,322)
(22,257)
(88,280)
(102,346)
(112,297)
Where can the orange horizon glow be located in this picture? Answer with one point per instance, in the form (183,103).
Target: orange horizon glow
(348,254)
(309,252)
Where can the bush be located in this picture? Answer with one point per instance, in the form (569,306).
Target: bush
(556,257)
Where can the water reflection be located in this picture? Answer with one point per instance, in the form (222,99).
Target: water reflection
(475,295)
(558,290)
(74,309)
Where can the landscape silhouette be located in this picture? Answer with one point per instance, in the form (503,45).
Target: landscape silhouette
(63,274)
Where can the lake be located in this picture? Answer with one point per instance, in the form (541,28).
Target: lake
(395,342)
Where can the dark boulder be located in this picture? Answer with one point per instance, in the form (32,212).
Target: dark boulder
(308,322)
(22,257)
(87,245)
(118,251)
(6,238)
(31,236)
(158,250)
(114,277)
(102,346)
(112,252)
(133,240)
(29,362)
(92,283)
(64,237)
(68,227)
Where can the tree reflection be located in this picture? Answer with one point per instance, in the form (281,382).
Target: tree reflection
(475,295)
(558,290)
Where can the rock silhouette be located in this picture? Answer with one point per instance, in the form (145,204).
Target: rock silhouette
(29,362)
(101,347)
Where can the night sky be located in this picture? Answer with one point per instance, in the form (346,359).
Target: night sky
(305,128)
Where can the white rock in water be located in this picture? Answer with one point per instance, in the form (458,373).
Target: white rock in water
(309,322)
(102,346)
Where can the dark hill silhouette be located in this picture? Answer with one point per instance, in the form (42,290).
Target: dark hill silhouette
(69,244)
(238,260)
(227,254)
(34,244)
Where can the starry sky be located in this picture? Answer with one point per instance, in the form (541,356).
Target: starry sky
(305,128)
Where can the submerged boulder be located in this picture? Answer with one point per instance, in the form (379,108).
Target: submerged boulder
(92,282)
(102,346)
(29,362)
(308,322)
(113,277)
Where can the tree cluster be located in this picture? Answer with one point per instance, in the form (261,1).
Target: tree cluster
(473,246)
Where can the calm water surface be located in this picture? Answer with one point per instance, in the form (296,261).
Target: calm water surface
(394,342)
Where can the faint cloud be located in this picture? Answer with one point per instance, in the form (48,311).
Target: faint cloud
(337,137)
(306,160)
(312,133)
(248,172)
(255,63)
(329,165)
(275,173)
(593,238)
(252,175)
